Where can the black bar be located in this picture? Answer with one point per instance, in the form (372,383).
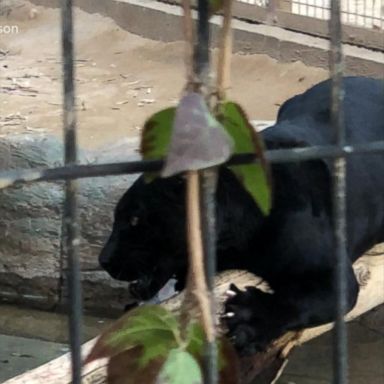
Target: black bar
(340,360)
(207,187)
(208,183)
(70,206)
(201,61)
(12,177)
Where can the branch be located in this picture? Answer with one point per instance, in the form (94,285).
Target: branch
(197,284)
(370,274)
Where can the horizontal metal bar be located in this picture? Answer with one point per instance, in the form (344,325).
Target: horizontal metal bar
(9,178)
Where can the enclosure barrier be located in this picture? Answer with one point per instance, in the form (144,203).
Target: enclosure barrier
(363,20)
(71,171)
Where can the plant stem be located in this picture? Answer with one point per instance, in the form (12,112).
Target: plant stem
(197,280)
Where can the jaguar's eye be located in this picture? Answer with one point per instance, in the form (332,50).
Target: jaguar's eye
(134,221)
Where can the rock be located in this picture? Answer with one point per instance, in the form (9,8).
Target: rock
(32,251)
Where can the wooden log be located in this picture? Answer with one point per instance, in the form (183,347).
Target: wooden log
(261,368)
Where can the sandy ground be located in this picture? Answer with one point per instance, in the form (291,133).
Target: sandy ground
(120,78)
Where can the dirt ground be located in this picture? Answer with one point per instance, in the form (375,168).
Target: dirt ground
(120,78)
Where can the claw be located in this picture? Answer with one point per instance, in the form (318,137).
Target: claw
(230,293)
(228,315)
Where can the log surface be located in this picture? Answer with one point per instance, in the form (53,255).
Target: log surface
(368,269)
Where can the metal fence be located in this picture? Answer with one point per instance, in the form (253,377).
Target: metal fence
(71,171)
(360,13)
(363,20)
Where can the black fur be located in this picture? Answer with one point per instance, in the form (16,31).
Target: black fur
(292,248)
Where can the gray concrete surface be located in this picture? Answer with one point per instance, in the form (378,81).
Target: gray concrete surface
(19,354)
(29,338)
(312,362)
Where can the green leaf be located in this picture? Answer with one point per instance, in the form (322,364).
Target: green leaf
(198,140)
(156,344)
(254,177)
(156,134)
(195,338)
(156,137)
(256,183)
(228,361)
(145,319)
(180,368)
(151,327)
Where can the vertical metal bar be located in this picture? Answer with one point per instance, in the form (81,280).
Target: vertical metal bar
(208,187)
(208,204)
(203,39)
(70,207)
(339,197)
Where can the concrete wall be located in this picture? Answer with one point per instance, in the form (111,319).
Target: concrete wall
(158,21)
